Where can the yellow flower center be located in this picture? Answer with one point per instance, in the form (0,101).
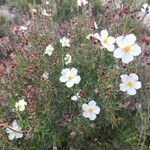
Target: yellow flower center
(130,84)
(105,40)
(127,48)
(70,77)
(90,110)
(20,107)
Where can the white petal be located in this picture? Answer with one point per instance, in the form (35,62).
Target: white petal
(69,84)
(133,76)
(19,135)
(77,79)
(61,40)
(89,36)
(92,103)
(96,110)
(84,107)
(22,108)
(111,40)
(127,58)
(104,34)
(135,50)
(74,71)
(65,71)
(86,114)
(11,136)
(97,36)
(143,10)
(14,124)
(92,116)
(131,91)
(18,128)
(149,9)
(124,78)
(74,98)
(137,85)
(145,6)
(79,2)
(110,47)
(130,39)
(8,130)
(67,44)
(23,102)
(118,53)
(85,2)
(123,87)
(95,25)
(63,78)
(119,41)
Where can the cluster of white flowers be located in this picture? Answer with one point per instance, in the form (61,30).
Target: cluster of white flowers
(70,77)
(127,46)
(126,49)
(14,131)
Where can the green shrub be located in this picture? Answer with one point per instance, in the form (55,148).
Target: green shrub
(51,119)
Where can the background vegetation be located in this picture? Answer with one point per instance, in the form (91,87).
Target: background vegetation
(52,120)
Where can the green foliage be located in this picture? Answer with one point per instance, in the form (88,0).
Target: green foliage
(2,19)
(24,5)
(51,117)
(65,9)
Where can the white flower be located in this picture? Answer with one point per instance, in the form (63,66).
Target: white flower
(89,36)
(75,97)
(95,25)
(146,8)
(106,40)
(65,42)
(45,13)
(95,35)
(45,75)
(33,10)
(49,50)
(14,131)
(20,105)
(23,28)
(82,2)
(70,77)
(127,48)
(130,83)
(47,2)
(90,110)
(68,59)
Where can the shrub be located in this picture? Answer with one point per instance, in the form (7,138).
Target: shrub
(51,119)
